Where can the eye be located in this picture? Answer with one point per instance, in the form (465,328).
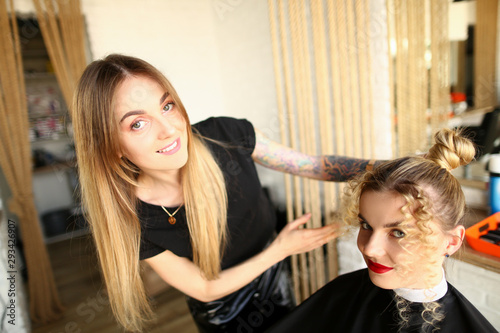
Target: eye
(397,233)
(168,107)
(137,125)
(364,225)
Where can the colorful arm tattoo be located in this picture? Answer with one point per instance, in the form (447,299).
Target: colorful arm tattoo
(328,167)
(341,168)
(281,158)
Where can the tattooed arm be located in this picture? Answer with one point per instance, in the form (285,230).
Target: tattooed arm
(328,167)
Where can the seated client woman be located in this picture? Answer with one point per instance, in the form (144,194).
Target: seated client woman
(409,213)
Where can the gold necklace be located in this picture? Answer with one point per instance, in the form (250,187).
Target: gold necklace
(171,218)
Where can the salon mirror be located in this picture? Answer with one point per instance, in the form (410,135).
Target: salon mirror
(462,19)
(473,54)
(473,72)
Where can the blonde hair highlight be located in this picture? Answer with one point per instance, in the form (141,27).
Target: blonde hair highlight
(107,186)
(432,194)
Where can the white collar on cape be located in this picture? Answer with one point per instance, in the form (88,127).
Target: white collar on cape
(424,295)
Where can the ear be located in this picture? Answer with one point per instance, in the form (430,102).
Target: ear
(455,239)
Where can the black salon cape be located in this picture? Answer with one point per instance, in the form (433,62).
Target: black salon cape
(353,304)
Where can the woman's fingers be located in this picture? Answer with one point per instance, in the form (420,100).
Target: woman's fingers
(298,222)
(313,238)
(296,240)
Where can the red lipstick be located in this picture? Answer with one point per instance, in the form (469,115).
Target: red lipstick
(378,268)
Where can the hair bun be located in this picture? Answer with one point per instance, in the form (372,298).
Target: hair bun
(451,149)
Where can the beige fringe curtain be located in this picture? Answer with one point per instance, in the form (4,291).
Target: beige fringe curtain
(485,52)
(419,66)
(61,24)
(15,161)
(439,86)
(323,80)
(321,54)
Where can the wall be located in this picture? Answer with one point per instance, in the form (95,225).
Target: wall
(176,36)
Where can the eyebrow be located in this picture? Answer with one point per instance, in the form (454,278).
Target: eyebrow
(389,225)
(136,112)
(393,224)
(164,97)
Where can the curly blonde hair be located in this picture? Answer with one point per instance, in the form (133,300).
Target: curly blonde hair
(432,194)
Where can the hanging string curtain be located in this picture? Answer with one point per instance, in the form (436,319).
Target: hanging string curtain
(411,90)
(15,161)
(61,24)
(439,85)
(321,62)
(323,81)
(419,63)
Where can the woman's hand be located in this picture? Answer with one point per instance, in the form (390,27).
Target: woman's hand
(293,239)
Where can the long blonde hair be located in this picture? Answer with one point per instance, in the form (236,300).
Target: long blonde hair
(108,185)
(431,192)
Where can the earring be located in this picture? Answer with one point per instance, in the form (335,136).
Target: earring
(447,255)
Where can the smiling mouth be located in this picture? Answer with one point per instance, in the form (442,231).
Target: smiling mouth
(170,149)
(378,268)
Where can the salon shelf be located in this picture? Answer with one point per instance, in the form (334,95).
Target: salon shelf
(63,138)
(40,76)
(67,235)
(60,114)
(473,183)
(474,112)
(55,167)
(480,259)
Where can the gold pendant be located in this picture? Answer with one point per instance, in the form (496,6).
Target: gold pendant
(171,220)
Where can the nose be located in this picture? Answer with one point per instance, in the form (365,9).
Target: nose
(165,128)
(371,245)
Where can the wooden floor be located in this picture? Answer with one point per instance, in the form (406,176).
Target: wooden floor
(86,307)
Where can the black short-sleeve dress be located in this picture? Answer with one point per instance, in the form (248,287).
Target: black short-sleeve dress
(251,223)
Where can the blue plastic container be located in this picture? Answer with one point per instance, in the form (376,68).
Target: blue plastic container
(494,169)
